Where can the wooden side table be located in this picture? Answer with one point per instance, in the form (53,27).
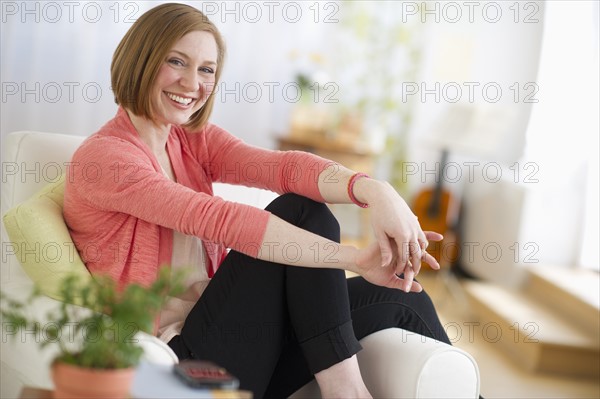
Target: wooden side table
(35,393)
(353,156)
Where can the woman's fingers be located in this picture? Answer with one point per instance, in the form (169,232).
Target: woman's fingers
(407,273)
(415,258)
(431,261)
(416,287)
(401,284)
(385,249)
(433,236)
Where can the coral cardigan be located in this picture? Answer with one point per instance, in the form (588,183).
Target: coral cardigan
(121,210)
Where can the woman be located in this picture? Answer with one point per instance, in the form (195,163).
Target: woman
(276,310)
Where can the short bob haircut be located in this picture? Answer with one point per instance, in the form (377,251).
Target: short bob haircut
(143,50)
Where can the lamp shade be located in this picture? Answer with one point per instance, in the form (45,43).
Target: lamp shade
(470,130)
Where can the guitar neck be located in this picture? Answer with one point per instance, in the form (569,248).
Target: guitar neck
(434,206)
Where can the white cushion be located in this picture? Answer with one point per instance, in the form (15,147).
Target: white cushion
(31,160)
(155,350)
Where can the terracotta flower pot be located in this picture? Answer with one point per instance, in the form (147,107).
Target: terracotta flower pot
(72,382)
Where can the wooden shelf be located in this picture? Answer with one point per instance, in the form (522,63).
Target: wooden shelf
(325,144)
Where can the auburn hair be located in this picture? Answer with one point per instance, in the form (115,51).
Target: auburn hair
(143,50)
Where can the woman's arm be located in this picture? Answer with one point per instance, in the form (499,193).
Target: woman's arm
(114,176)
(400,239)
(231,160)
(287,244)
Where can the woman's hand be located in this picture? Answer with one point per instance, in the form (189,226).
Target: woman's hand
(399,236)
(369,265)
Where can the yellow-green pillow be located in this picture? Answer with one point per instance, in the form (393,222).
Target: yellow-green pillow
(41,240)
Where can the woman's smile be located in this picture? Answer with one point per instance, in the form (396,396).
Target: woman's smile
(180,100)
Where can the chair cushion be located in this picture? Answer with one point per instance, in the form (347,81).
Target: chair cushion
(31,160)
(40,240)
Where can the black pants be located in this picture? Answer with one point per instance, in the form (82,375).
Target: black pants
(275,326)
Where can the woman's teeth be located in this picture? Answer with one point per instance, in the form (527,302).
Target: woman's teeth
(180,100)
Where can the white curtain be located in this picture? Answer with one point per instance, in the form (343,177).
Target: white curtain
(562,137)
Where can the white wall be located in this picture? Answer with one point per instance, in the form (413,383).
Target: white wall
(56,56)
(56,62)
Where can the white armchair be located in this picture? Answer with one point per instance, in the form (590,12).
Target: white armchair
(394,362)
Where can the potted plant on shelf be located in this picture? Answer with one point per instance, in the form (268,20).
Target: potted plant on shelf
(97,349)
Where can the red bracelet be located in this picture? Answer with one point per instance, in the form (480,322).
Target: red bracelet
(351,182)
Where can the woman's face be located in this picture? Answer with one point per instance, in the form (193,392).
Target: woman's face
(186,78)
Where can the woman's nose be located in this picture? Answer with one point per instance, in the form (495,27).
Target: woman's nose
(190,80)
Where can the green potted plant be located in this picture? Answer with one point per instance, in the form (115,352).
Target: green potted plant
(97,350)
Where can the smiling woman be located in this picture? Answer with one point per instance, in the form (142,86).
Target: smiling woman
(194,49)
(157,160)
(182,87)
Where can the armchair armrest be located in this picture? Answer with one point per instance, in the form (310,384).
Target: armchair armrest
(396,363)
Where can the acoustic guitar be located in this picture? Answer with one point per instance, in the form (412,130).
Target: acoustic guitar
(437,210)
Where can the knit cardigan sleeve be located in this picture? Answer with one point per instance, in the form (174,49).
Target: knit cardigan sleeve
(230,160)
(114,175)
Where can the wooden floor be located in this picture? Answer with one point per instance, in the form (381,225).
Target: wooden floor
(501,377)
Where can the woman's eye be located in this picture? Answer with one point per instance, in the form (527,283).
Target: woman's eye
(207,70)
(176,61)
